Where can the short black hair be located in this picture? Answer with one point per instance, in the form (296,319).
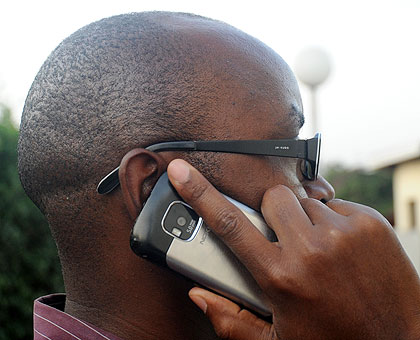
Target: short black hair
(125,82)
(122,82)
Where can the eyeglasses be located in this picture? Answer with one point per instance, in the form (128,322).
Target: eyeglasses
(306,149)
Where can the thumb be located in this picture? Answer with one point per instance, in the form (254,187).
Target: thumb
(229,320)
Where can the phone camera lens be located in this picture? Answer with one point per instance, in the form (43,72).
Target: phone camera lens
(181,221)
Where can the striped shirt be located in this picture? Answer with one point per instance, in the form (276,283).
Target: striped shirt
(52,323)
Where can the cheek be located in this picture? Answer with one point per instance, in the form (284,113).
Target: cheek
(246,178)
(286,171)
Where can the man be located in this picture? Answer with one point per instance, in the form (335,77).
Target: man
(123,83)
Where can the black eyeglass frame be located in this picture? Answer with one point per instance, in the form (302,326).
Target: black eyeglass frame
(307,149)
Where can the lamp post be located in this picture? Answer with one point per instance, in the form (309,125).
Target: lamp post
(313,68)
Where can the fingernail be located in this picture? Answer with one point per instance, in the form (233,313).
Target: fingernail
(179,171)
(200,302)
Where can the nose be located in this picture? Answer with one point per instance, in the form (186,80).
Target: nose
(320,189)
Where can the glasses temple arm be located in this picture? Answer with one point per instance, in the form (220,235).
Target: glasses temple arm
(111,181)
(280,148)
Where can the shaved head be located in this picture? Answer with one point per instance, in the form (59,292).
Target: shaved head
(119,83)
(130,81)
(104,94)
(124,82)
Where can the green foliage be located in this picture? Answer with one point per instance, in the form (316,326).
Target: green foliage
(29,265)
(369,188)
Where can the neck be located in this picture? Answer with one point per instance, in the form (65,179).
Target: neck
(147,303)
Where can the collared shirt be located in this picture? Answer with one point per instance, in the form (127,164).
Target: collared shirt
(52,323)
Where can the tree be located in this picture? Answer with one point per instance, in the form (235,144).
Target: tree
(29,265)
(369,188)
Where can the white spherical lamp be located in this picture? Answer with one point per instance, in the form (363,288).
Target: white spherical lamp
(312,66)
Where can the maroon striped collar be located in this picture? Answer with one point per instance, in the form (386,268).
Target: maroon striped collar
(52,323)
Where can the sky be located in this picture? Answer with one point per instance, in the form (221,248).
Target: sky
(368,108)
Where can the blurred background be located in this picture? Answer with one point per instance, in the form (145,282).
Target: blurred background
(359,71)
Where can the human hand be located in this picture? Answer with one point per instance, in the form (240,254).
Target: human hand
(337,272)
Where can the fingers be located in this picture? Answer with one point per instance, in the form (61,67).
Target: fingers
(357,212)
(283,213)
(292,219)
(318,212)
(347,208)
(225,219)
(228,319)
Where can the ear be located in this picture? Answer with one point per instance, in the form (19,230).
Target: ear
(139,170)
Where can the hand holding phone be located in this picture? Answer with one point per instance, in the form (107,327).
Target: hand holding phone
(170,233)
(338,271)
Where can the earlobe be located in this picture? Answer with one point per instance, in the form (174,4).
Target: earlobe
(139,170)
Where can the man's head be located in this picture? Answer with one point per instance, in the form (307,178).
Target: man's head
(123,83)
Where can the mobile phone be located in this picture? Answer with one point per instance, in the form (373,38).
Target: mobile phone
(170,233)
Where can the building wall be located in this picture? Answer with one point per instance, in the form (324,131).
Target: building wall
(406,187)
(410,240)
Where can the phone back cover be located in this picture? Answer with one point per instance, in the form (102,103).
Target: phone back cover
(205,259)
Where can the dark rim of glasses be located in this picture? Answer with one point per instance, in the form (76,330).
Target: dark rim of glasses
(307,149)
